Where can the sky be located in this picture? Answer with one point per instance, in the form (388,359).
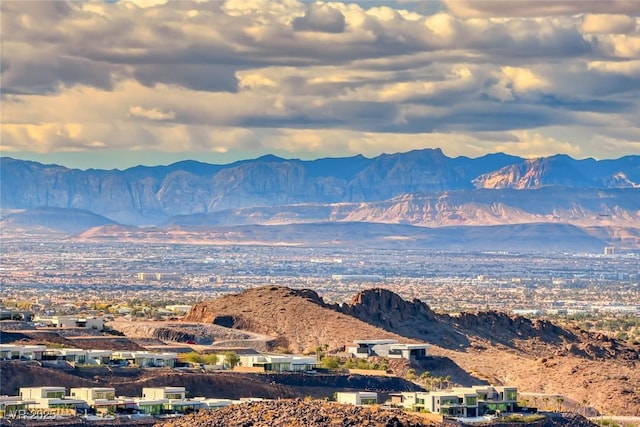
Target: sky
(120,83)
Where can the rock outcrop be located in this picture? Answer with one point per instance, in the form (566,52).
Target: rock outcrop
(286,413)
(296,319)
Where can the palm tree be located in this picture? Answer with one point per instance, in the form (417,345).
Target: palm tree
(424,377)
(448,380)
(559,401)
(535,401)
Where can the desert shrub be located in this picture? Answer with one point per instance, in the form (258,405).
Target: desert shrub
(192,357)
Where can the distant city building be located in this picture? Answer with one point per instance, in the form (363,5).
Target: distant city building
(158,277)
(610,250)
(357,278)
(178,309)
(527,312)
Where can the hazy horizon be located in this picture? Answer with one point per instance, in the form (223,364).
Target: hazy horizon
(68,162)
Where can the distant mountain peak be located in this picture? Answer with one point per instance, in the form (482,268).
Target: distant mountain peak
(271,158)
(421,187)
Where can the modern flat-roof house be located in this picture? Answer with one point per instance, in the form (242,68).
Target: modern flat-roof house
(151,406)
(358,398)
(21,352)
(215,403)
(102,399)
(460,401)
(145,359)
(386,348)
(164,392)
(365,348)
(10,406)
(90,357)
(98,357)
(279,363)
(452,403)
(172,399)
(52,398)
(407,351)
(75,355)
(497,398)
(92,322)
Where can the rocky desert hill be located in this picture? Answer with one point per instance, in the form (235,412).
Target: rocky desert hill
(290,413)
(298,320)
(281,413)
(537,356)
(200,333)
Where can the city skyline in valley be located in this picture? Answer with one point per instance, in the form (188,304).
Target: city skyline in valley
(115,84)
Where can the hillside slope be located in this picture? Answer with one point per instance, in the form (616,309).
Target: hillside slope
(297,319)
(536,356)
(289,413)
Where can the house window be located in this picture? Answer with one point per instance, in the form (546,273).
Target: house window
(512,395)
(55,395)
(110,395)
(471,401)
(173,396)
(368,401)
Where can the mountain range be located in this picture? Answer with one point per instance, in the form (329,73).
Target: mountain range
(421,188)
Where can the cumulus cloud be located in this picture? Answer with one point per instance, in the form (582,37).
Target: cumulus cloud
(151,113)
(538,8)
(322,18)
(320,77)
(608,23)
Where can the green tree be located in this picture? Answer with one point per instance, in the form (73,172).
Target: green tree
(191,357)
(231,359)
(411,375)
(210,359)
(331,362)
